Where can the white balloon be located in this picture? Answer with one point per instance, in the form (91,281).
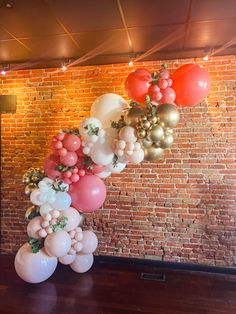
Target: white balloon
(82,263)
(102,153)
(45,209)
(62,202)
(115,168)
(34,197)
(107,108)
(48,180)
(103,175)
(93,121)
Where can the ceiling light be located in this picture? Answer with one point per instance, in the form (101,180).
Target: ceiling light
(64,67)
(206,58)
(131,63)
(5,68)
(3,72)
(9,4)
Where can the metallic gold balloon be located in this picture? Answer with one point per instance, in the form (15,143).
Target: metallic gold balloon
(167,141)
(146,143)
(133,116)
(153,120)
(152,153)
(168,115)
(25,180)
(145,124)
(156,133)
(141,133)
(30,211)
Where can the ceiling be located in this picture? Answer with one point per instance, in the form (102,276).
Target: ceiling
(42,33)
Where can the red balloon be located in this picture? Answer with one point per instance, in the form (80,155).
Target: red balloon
(88,194)
(137,84)
(50,167)
(191,83)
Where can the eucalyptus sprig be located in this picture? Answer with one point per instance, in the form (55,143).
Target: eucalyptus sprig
(60,225)
(92,130)
(114,161)
(58,186)
(88,162)
(62,168)
(134,103)
(36,245)
(118,125)
(71,131)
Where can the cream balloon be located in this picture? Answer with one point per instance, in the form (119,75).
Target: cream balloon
(136,157)
(33,227)
(82,263)
(74,218)
(95,123)
(67,259)
(34,267)
(128,134)
(89,242)
(57,244)
(108,108)
(103,175)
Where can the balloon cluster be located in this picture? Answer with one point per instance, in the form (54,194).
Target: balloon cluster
(114,135)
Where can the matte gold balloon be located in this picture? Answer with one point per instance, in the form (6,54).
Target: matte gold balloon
(133,116)
(146,143)
(156,133)
(167,141)
(152,153)
(141,133)
(168,115)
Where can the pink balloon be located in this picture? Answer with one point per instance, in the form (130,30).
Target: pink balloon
(71,142)
(67,259)
(82,263)
(88,194)
(70,159)
(33,227)
(97,169)
(89,242)
(34,267)
(168,96)
(74,218)
(57,244)
(50,167)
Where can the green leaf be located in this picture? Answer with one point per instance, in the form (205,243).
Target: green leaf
(33,214)
(134,104)
(58,186)
(92,130)
(88,162)
(114,161)
(60,225)
(118,125)
(62,168)
(36,245)
(153,111)
(71,131)
(164,65)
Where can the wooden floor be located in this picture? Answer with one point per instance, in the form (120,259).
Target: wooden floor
(117,288)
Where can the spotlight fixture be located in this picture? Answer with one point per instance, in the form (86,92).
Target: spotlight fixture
(9,4)
(131,63)
(4,70)
(64,67)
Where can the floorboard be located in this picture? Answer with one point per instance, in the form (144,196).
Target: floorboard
(111,288)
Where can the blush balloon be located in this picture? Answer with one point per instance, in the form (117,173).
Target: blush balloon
(57,244)
(191,83)
(82,263)
(88,194)
(168,96)
(70,159)
(71,142)
(50,167)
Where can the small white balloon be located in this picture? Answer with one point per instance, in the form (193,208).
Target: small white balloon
(62,202)
(34,197)
(45,209)
(104,174)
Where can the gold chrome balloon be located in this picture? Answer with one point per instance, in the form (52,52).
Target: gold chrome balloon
(141,133)
(153,153)
(133,115)
(153,120)
(146,143)
(168,115)
(31,211)
(156,133)
(146,124)
(167,141)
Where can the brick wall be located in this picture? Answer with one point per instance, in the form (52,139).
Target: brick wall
(181,208)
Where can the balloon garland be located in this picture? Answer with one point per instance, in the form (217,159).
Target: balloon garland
(114,135)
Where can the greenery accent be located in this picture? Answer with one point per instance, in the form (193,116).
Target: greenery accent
(153,111)
(36,245)
(155,77)
(33,214)
(164,66)
(71,131)
(88,162)
(134,104)
(114,161)
(62,168)
(118,125)
(58,186)
(91,129)
(60,225)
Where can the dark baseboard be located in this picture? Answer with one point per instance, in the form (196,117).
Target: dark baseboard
(163,264)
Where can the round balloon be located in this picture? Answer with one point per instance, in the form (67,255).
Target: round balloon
(82,263)
(33,227)
(108,108)
(88,194)
(137,84)
(102,153)
(74,218)
(34,267)
(57,244)
(50,167)
(89,242)
(191,84)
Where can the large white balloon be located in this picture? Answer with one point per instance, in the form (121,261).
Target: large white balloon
(107,108)
(62,202)
(82,263)
(103,175)
(102,153)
